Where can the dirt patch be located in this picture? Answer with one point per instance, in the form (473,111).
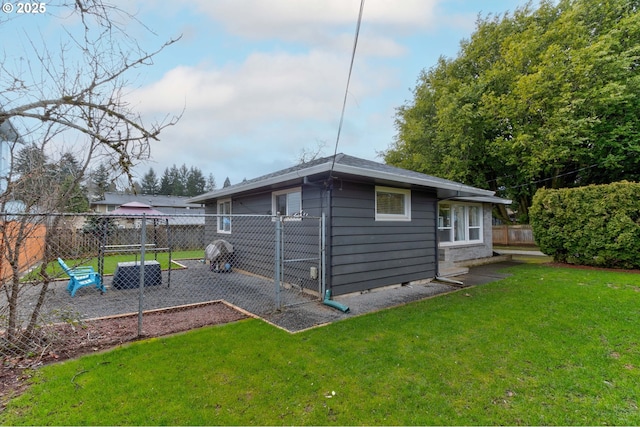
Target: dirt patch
(68,341)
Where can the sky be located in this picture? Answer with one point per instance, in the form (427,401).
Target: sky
(260,82)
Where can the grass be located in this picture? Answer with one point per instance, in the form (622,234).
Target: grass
(111,262)
(545,346)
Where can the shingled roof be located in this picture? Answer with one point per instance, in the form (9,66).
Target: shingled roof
(341,165)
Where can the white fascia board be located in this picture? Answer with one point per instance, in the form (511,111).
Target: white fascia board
(425,182)
(484,199)
(465,190)
(216,194)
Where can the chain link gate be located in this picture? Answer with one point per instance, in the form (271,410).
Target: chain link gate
(276,263)
(298,257)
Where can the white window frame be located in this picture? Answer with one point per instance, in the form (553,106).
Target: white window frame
(287,192)
(455,209)
(222,215)
(406,216)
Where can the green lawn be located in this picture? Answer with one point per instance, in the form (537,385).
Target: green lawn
(545,346)
(111,261)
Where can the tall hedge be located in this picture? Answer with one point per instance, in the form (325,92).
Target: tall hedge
(597,225)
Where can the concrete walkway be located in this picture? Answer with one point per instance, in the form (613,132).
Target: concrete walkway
(313,314)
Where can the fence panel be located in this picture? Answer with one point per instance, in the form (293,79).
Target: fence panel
(177,272)
(513,235)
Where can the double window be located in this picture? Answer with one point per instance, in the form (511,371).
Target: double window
(459,223)
(287,202)
(393,204)
(224,216)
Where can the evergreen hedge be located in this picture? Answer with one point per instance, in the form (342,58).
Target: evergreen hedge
(597,225)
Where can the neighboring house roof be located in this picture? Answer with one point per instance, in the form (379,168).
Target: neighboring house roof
(343,164)
(173,203)
(8,132)
(136,208)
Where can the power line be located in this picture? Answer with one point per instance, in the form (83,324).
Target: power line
(346,92)
(547,179)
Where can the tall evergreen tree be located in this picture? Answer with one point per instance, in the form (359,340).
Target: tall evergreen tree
(101,181)
(150,183)
(196,182)
(211,183)
(165,183)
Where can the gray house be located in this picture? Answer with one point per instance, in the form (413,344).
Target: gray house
(170,205)
(384,225)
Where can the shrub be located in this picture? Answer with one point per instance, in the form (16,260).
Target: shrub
(597,225)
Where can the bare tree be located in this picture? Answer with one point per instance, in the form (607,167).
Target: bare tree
(307,154)
(70,92)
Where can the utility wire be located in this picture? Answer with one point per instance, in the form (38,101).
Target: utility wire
(545,179)
(346,92)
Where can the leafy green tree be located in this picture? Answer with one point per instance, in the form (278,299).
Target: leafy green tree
(227,182)
(544,97)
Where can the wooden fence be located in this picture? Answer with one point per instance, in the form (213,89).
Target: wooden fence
(513,235)
(76,243)
(27,253)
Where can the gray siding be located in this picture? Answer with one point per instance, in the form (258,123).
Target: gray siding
(366,253)
(362,253)
(253,235)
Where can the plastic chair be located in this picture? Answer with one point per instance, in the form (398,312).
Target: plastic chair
(80,277)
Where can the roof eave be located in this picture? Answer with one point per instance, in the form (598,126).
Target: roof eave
(459,189)
(228,191)
(484,199)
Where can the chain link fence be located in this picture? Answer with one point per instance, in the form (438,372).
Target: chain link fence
(261,264)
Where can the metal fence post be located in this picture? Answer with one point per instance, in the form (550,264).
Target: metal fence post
(143,243)
(323,260)
(278,261)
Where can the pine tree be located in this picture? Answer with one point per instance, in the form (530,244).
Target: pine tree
(149,183)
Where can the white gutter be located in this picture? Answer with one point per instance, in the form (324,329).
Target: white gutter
(446,185)
(354,170)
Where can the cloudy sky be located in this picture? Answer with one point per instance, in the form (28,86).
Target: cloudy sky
(262,80)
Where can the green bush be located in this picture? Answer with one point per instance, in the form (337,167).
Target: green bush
(597,225)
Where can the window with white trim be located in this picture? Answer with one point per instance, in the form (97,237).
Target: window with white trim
(393,204)
(287,202)
(224,216)
(459,223)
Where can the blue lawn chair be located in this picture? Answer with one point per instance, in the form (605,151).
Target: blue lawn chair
(80,277)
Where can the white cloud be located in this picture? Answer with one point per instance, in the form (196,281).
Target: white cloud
(263,110)
(254,113)
(300,20)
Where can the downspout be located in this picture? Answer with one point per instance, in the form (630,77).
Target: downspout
(328,301)
(326,271)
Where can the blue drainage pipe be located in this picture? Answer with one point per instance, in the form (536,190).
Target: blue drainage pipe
(334,304)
